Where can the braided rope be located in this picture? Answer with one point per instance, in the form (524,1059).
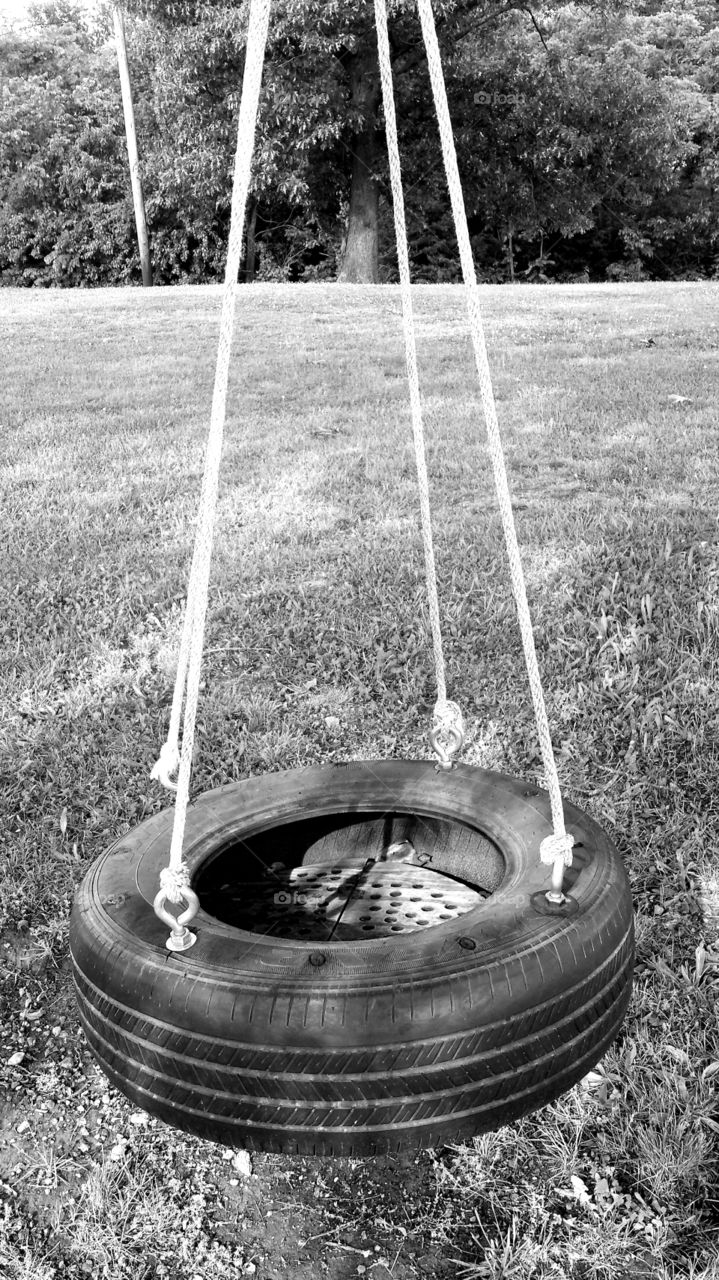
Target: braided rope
(190,657)
(175,881)
(447,715)
(490,413)
(187,681)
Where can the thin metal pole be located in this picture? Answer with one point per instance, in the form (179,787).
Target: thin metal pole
(140,222)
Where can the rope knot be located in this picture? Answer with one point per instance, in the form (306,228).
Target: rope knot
(174,882)
(447,717)
(555,847)
(169,762)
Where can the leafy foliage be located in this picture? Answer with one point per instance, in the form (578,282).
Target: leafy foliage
(65,216)
(574,139)
(588,140)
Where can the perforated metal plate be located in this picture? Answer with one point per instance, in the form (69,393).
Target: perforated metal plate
(322,901)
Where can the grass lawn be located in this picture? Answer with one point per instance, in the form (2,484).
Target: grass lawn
(318,649)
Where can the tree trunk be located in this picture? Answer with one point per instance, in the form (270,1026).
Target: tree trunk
(143,243)
(360,256)
(510,252)
(251,244)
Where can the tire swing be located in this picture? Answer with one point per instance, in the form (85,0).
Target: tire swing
(384,954)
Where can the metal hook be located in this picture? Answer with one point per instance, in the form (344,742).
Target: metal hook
(445,754)
(181,938)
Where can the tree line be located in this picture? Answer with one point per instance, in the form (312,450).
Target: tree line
(587,136)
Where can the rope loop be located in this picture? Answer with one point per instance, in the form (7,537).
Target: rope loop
(556,847)
(175,883)
(429,32)
(446,736)
(447,733)
(169,762)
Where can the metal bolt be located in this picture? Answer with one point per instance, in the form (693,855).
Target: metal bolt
(181,940)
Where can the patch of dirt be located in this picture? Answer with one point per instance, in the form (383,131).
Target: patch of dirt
(72,1150)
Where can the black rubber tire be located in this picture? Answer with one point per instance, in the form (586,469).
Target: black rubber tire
(357,1047)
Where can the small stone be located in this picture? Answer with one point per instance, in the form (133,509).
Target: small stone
(139,1118)
(242,1163)
(23,1126)
(580,1190)
(592,1080)
(332,723)
(15,1059)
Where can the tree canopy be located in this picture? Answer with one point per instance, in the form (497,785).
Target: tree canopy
(587,136)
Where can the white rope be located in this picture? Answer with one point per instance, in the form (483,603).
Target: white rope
(169,760)
(447,715)
(175,881)
(187,681)
(190,657)
(555,847)
(560,848)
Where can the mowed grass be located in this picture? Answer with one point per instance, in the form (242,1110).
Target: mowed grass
(318,649)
